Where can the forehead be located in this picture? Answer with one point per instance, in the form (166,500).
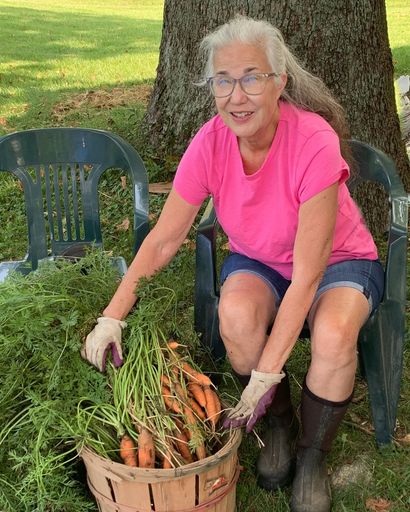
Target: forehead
(240,58)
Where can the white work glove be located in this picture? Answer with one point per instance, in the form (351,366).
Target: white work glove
(105,336)
(255,400)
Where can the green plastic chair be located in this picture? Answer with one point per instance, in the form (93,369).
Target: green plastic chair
(382,338)
(60,169)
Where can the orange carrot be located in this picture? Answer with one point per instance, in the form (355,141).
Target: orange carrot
(198,393)
(189,415)
(173,345)
(218,406)
(128,451)
(195,376)
(146,449)
(165,381)
(175,371)
(200,451)
(180,392)
(170,401)
(181,441)
(196,408)
(213,405)
(166,463)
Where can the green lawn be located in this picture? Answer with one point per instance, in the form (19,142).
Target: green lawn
(398,24)
(52,49)
(91,63)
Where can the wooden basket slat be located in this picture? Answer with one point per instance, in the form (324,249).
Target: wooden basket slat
(132,492)
(120,488)
(177,494)
(100,482)
(225,470)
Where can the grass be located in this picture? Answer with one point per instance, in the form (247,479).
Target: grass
(398,24)
(92,64)
(49,54)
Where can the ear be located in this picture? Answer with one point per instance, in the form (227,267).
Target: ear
(283,79)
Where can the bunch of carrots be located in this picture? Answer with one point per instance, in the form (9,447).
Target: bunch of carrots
(189,399)
(165,411)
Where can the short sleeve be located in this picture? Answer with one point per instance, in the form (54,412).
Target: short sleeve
(320,165)
(190,180)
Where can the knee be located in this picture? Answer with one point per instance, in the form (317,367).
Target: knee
(238,316)
(335,343)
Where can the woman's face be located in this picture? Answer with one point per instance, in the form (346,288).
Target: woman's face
(252,118)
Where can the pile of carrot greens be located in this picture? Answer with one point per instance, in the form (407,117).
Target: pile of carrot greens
(52,402)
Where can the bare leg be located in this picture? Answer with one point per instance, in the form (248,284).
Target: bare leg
(335,322)
(246,309)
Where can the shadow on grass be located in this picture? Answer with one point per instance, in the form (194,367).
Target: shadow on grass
(55,33)
(37,45)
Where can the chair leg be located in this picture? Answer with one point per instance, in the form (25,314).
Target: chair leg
(381,354)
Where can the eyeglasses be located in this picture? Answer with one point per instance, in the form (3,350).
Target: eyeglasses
(223,86)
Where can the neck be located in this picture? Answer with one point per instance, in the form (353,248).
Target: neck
(261,141)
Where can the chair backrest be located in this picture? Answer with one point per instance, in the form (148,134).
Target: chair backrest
(60,169)
(376,166)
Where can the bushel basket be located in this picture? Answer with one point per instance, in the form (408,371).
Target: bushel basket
(208,484)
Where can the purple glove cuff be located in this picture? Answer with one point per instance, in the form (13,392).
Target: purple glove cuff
(259,411)
(261,408)
(234,423)
(116,359)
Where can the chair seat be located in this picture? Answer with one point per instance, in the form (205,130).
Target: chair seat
(6,267)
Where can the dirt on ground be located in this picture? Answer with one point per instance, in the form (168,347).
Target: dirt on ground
(102,99)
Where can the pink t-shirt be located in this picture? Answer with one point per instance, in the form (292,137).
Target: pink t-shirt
(259,212)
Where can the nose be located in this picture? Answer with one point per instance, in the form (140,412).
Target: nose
(238,95)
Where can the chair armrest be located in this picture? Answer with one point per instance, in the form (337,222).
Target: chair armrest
(206,289)
(206,250)
(396,259)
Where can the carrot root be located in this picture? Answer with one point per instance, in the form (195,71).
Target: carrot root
(146,449)
(128,451)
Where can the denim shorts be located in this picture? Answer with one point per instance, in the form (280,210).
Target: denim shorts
(367,276)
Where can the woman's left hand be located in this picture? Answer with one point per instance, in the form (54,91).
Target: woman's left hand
(255,400)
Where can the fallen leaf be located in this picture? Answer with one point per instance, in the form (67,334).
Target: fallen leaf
(162,187)
(3,121)
(123,182)
(405,440)
(378,504)
(225,246)
(152,216)
(189,243)
(355,417)
(124,225)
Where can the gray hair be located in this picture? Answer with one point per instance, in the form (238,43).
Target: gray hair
(303,89)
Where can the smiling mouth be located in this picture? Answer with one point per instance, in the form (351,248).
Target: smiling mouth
(241,115)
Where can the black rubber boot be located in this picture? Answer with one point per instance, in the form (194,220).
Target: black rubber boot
(320,421)
(275,466)
(243,379)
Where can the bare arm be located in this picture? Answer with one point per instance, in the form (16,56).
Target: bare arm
(313,245)
(158,248)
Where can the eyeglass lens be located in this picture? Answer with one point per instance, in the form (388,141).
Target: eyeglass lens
(250,84)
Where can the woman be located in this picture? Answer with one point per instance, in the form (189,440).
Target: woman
(272,162)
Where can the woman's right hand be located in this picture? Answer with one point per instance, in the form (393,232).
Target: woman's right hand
(105,336)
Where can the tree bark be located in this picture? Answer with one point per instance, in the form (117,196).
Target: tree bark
(345,43)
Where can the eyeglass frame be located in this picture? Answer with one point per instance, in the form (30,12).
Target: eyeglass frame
(239,80)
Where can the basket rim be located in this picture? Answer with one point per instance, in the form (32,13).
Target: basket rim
(120,472)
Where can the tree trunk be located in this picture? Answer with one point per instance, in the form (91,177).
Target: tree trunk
(345,43)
